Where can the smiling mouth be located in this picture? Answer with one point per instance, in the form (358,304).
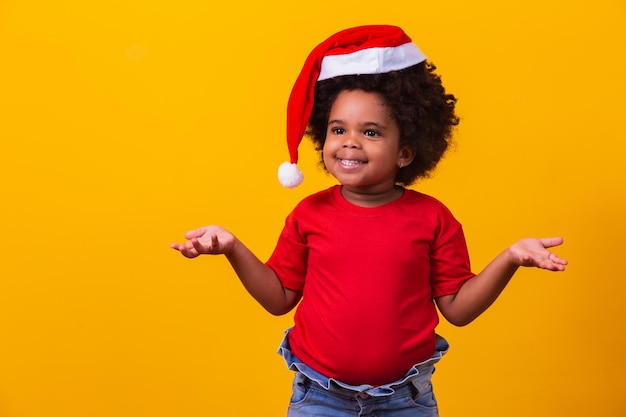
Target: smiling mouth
(350,162)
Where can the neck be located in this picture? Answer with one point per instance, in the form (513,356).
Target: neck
(371,198)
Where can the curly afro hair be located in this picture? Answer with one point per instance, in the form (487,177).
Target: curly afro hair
(418,102)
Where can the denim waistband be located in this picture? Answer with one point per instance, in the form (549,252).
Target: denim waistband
(418,375)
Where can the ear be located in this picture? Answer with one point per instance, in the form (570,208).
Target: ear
(405,156)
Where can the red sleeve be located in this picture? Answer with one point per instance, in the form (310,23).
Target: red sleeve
(289,258)
(450,263)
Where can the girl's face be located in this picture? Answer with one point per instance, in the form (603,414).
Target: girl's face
(362,148)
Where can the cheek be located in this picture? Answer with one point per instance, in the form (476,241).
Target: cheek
(328,154)
(328,149)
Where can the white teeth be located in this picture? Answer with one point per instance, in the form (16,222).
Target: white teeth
(349,162)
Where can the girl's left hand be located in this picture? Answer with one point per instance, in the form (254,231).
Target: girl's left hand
(533,252)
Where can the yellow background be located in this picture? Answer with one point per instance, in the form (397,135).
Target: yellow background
(125,123)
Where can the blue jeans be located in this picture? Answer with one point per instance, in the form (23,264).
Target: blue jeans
(315,395)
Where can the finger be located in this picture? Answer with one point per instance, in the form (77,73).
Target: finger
(553,263)
(555,267)
(190,253)
(195,233)
(557,259)
(525,259)
(550,242)
(557,262)
(175,246)
(199,247)
(185,250)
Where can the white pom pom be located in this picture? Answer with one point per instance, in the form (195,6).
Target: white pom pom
(289,175)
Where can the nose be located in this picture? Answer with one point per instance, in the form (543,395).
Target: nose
(351,140)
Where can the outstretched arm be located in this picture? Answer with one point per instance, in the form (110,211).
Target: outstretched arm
(478,293)
(259,279)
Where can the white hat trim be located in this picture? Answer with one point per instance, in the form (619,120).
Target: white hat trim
(371,61)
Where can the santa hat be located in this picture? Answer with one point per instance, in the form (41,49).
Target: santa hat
(361,50)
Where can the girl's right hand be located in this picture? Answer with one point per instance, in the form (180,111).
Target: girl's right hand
(212,240)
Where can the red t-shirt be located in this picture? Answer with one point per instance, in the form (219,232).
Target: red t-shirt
(368,277)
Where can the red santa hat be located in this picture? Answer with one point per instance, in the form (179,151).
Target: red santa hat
(372,49)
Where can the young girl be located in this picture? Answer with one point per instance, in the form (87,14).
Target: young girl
(366,258)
